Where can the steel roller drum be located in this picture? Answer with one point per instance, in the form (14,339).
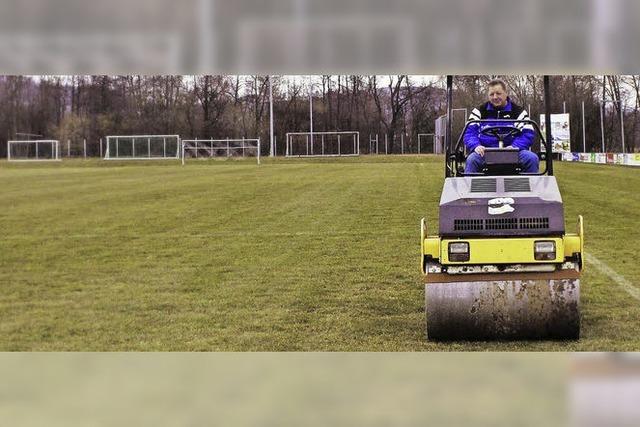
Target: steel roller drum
(503,309)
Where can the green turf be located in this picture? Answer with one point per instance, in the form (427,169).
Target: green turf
(288,255)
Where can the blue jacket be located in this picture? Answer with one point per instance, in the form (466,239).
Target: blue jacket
(473,138)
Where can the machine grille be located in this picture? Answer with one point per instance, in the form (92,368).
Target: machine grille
(483,185)
(501,224)
(530,223)
(517,184)
(468,224)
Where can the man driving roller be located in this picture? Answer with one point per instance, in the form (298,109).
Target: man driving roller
(499,106)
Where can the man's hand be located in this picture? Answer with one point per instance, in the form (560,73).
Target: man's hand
(480,150)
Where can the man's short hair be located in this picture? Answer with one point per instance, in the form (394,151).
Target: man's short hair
(496,82)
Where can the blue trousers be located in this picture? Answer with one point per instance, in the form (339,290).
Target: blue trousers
(528,161)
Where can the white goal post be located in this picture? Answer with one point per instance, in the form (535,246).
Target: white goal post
(322,144)
(220,148)
(33,151)
(426,139)
(142,147)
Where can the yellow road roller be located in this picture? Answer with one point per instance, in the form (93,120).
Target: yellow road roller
(499,265)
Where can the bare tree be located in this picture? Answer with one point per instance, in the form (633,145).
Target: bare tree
(398,93)
(210,93)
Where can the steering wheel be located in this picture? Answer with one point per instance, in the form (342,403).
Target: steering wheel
(501,132)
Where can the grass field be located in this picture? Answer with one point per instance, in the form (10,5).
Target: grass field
(293,255)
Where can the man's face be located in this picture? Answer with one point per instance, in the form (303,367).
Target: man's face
(497,96)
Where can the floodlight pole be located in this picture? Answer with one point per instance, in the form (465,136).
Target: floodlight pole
(272,149)
(602,124)
(584,138)
(621,125)
(311,113)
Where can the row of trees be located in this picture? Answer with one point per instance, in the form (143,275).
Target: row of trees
(91,107)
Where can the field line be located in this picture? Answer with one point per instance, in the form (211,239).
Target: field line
(604,268)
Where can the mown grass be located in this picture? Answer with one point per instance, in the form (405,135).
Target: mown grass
(299,255)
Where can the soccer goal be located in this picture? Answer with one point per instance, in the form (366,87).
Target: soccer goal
(33,151)
(142,147)
(427,143)
(220,148)
(319,144)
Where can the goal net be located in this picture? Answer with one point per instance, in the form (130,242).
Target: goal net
(142,147)
(319,144)
(427,143)
(33,151)
(220,148)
